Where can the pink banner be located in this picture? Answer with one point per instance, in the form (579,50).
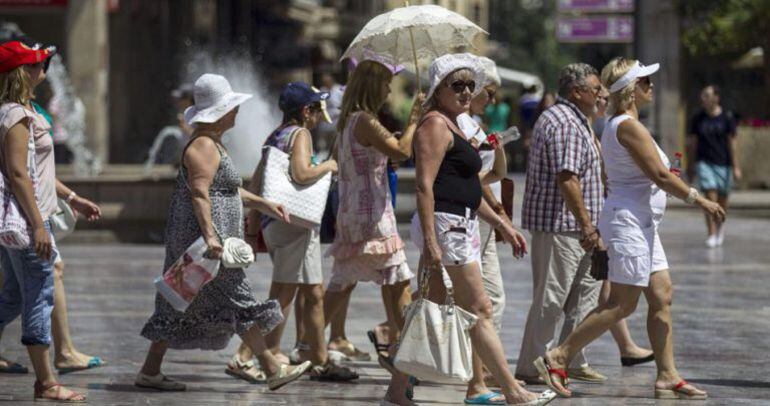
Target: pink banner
(595,29)
(614,6)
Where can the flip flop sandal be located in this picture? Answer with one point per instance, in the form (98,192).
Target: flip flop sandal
(678,393)
(73,397)
(14,368)
(545,372)
(486,399)
(94,362)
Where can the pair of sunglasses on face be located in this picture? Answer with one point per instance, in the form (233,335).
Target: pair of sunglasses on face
(459,86)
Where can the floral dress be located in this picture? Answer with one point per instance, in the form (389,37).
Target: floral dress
(226,305)
(367,246)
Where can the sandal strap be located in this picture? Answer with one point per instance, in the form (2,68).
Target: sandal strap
(558,371)
(680,384)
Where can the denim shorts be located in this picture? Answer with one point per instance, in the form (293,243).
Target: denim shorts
(715,177)
(27,290)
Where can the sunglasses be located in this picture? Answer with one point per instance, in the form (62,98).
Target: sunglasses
(458,86)
(644,81)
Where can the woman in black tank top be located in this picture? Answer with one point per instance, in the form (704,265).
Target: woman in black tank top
(448,202)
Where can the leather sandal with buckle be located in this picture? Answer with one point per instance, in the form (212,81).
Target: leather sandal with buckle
(247,371)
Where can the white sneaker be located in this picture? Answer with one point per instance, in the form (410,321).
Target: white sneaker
(721,236)
(711,242)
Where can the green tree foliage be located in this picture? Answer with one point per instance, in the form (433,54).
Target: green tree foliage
(728,27)
(525,30)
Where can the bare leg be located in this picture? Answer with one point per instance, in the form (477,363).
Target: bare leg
(711,224)
(284,293)
(660,329)
(620,332)
(314,323)
(299,317)
(40,358)
(65,354)
(253,338)
(622,302)
(335,310)
(469,294)
(396,298)
(154,358)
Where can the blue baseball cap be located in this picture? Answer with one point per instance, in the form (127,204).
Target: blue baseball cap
(296,95)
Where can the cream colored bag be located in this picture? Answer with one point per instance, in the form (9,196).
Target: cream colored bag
(435,345)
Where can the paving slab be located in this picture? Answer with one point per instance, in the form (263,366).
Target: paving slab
(721,324)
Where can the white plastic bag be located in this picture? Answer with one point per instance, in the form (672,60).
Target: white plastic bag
(184,279)
(435,345)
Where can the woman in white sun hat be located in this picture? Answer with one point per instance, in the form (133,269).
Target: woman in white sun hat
(449,203)
(208,201)
(638,179)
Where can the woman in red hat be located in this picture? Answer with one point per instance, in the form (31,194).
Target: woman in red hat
(28,272)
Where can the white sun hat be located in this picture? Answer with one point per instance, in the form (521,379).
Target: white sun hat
(446,64)
(490,71)
(213,99)
(636,71)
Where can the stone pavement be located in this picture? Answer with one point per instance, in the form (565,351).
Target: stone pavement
(721,315)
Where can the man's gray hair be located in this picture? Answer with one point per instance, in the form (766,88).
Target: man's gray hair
(573,75)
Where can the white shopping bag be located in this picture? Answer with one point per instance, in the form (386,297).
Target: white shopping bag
(184,279)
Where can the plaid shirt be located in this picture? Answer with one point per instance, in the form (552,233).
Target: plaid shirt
(562,141)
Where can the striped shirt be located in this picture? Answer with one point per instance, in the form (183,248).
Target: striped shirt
(562,141)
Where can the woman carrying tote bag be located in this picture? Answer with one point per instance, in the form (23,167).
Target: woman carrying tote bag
(296,250)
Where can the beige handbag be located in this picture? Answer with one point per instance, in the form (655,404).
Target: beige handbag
(435,345)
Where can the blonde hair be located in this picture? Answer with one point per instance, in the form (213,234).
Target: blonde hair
(364,91)
(612,72)
(15,86)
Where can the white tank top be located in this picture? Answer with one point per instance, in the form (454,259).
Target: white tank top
(628,186)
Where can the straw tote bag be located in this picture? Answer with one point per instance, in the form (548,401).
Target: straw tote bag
(15,231)
(435,344)
(305,203)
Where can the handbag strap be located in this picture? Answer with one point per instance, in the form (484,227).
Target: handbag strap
(426,274)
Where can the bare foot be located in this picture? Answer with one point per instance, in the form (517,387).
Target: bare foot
(520,396)
(75,359)
(57,392)
(636,352)
(558,380)
(281,358)
(686,389)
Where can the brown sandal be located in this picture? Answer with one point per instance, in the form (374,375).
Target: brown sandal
(73,397)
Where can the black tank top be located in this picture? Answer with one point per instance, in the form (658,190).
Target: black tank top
(457,181)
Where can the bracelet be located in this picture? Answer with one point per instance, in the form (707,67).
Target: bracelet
(70,196)
(692,196)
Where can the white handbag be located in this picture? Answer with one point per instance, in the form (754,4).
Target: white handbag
(63,221)
(305,203)
(435,345)
(15,230)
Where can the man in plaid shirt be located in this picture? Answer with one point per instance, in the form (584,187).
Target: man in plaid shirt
(562,200)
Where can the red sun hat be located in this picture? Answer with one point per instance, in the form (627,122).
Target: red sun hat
(14,54)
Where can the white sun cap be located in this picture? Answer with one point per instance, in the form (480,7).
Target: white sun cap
(446,64)
(637,71)
(213,99)
(490,71)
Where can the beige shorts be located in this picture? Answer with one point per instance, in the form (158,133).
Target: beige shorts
(295,252)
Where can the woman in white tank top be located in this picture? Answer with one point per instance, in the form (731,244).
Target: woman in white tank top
(638,179)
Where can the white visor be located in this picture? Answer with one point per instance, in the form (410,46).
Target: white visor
(637,71)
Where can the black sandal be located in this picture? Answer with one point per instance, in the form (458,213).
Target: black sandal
(379,348)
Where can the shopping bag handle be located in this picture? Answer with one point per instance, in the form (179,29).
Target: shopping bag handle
(424,284)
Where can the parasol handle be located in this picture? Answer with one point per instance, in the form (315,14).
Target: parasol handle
(414,54)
